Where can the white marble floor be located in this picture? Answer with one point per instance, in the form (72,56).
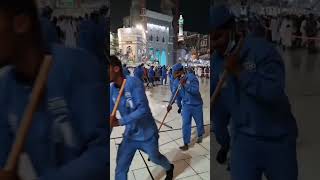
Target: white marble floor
(193,164)
(303,88)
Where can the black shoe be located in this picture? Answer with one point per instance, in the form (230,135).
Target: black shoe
(170,173)
(184,147)
(222,155)
(199,139)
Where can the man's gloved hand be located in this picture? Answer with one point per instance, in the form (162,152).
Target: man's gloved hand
(8,175)
(232,64)
(222,155)
(169,107)
(183,81)
(179,110)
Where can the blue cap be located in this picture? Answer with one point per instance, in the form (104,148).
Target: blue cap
(219,16)
(177,67)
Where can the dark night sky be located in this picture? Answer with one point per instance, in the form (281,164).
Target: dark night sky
(194,12)
(119,9)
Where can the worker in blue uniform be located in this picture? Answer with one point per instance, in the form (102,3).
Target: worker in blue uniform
(126,71)
(171,79)
(141,131)
(49,31)
(164,75)
(67,139)
(178,98)
(92,38)
(151,75)
(172,90)
(87,34)
(192,104)
(264,130)
(220,117)
(101,33)
(138,72)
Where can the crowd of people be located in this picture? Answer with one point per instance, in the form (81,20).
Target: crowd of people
(202,71)
(89,33)
(151,75)
(161,75)
(293,31)
(69,28)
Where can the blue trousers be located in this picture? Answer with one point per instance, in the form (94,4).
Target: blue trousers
(127,150)
(220,120)
(189,112)
(171,87)
(151,80)
(251,157)
(164,78)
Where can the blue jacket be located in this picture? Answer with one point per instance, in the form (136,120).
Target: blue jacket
(138,72)
(151,73)
(228,88)
(257,101)
(171,77)
(101,36)
(221,114)
(49,33)
(134,109)
(174,88)
(92,37)
(67,139)
(171,80)
(164,72)
(126,72)
(87,36)
(190,92)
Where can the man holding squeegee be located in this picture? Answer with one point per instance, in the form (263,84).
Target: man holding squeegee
(264,130)
(141,132)
(67,136)
(191,103)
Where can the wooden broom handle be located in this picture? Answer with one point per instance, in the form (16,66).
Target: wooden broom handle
(114,111)
(26,122)
(218,87)
(225,75)
(170,103)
